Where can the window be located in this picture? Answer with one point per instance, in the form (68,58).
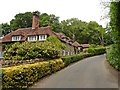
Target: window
(63,52)
(16,38)
(42,37)
(32,38)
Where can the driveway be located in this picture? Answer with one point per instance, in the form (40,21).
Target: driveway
(93,72)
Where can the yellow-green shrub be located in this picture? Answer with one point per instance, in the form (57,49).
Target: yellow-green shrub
(24,75)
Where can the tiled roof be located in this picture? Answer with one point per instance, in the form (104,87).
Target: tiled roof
(85,45)
(63,37)
(76,44)
(25,32)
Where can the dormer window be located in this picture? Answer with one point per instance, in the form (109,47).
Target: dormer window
(16,38)
(32,38)
(42,37)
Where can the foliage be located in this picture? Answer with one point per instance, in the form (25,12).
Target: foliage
(114,51)
(56,41)
(97,51)
(5,28)
(25,75)
(22,20)
(31,50)
(113,56)
(50,20)
(83,32)
(90,52)
(74,58)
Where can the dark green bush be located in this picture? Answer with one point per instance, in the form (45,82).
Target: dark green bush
(113,56)
(23,76)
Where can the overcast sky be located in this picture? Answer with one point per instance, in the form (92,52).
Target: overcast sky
(85,10)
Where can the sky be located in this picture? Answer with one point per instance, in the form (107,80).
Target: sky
(85,10)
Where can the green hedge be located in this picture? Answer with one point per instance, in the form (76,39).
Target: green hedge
(70,59)
(113,56)
(90,52)
(24,75)
(97,50)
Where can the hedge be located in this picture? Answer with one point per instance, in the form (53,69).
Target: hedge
(97,50)
(113,56)
(90,52)
(23,76)
(70,59)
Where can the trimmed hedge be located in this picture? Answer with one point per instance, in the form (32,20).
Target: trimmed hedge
(97,50)
(25,75)
(90,52)
(113,56)
(70,59)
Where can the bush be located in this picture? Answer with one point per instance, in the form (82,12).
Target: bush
(70,59)
(32,50)
(97,50)
(89,52)
(24,75)
(113,56)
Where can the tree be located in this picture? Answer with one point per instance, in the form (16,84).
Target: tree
(83,32)
(113,54)
(73,28)
(22,20)
(50,20)
(5,28)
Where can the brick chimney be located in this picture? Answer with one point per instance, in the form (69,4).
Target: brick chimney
(35,20)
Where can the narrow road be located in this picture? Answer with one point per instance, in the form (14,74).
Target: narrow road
(91,72)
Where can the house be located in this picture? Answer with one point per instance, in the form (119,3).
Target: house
(36,33)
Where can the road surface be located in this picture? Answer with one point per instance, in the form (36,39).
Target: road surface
(91,72)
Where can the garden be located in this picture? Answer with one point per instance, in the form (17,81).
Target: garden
(25,63)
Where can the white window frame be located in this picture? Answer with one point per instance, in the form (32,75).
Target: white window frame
(16,38)
(42,37)
(32,38)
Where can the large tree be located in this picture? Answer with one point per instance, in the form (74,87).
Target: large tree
(22,20)
(83,32)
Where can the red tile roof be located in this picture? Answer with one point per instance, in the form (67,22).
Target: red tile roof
(76,44)
(25,32)
(85,45)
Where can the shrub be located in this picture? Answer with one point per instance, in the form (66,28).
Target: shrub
(32,50)
(56,41)
(24,75)
(89,52)
(97,50)
(113,56)
(70,59)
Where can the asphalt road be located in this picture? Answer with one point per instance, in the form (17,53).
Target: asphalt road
(91,72)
